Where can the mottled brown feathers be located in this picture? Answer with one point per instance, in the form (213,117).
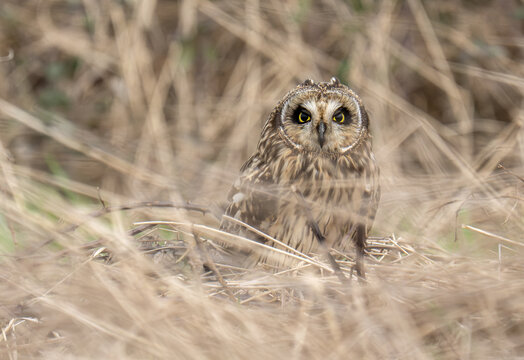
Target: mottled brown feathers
(336,176)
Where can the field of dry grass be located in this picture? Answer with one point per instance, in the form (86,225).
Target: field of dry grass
(106,105)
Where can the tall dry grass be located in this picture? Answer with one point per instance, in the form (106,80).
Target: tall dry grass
(106,104)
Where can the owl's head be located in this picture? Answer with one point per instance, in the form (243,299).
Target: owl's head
(324,118)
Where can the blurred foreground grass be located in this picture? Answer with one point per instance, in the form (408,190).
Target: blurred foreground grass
(120,102)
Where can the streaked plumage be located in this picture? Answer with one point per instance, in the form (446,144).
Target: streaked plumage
(314,146)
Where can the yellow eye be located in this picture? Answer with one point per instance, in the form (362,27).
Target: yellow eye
(303,117)
(339,117)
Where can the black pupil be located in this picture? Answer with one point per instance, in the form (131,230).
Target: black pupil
(303,116)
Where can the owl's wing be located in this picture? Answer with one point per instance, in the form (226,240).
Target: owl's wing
(252,198)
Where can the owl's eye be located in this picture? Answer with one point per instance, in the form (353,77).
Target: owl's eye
(341,116)
(302,116)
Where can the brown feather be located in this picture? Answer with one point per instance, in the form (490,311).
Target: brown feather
(338,181)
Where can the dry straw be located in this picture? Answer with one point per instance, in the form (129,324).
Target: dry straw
(123,124)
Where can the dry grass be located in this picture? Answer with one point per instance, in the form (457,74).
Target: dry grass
(112,103)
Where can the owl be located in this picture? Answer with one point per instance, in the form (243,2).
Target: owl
(313,178)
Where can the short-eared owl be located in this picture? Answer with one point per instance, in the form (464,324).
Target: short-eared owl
(313,171)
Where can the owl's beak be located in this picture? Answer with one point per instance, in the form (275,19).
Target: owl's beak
(321,130)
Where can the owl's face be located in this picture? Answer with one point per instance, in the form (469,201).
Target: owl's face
(325,117)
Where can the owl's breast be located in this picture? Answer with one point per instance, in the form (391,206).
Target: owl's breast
(331,191)
(321,179)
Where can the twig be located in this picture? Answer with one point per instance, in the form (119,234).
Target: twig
(161,204)
(105,210)
(500,166)
(495,236)
(140,228)
(209,262)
